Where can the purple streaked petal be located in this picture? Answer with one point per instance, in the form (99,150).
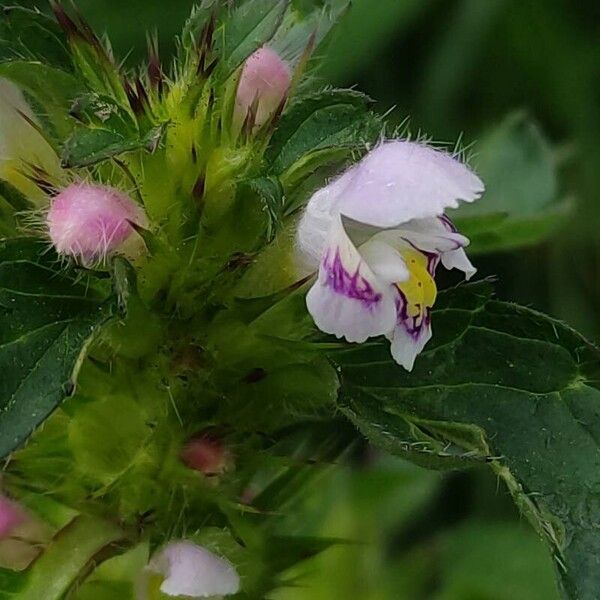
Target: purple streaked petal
(410,335)
(405,346)
(315,225)
(400,181)
(348,300)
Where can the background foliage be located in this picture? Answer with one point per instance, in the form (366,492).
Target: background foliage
(456,67)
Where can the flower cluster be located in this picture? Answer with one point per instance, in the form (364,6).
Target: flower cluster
(375,234)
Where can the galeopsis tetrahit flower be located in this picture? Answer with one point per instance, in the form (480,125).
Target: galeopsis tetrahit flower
(89,222)
(191,571)
(377,234)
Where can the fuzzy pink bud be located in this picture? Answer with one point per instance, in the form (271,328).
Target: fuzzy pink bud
(89,222)
(207,454)
(265,78)
(11,516)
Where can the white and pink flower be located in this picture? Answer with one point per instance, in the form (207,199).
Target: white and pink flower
(377,234)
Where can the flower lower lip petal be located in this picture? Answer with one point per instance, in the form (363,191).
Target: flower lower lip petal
(348,300)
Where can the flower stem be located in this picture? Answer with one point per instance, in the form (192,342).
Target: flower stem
(67,557)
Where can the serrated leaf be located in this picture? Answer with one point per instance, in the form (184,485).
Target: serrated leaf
(248,27)
(103,111)
(195,23)
(515,386)
(50,90)
(328,122)
(32,35)
(312,22)
(528,198)
(90,146)
(46,320)
(270,194)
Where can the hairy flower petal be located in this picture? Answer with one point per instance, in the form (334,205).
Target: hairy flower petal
(400,181)
(348,300)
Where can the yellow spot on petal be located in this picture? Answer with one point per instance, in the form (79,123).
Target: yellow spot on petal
(419,290)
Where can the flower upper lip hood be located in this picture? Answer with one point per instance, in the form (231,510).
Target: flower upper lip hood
(404,180)
(377,234)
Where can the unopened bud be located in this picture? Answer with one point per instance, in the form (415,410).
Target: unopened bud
(11,516)
(90,222)
(207,454)
(264,82)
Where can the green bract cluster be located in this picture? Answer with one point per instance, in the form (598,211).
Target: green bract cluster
(109,372)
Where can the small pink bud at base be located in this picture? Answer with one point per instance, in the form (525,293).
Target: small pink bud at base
(266,79)
(89,222)
(11,516)
(206,454)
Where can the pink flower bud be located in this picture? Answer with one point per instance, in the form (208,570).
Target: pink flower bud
(265,78)
(207,454)
(11,516)
(89,222)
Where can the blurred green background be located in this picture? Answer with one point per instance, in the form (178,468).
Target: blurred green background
(456,67)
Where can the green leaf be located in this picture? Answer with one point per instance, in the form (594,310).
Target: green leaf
(12,201)
(116,577)
(102,111)
(516,163)
(321,126)
(269,192)
(511,385)
(306,24)
(248,27)
(196,22)
(46,320)
(50,91)
(90,146)
(71,553)
(31,35)
(13,196)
